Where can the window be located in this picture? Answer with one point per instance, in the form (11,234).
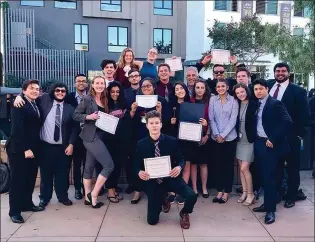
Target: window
(81,37)
(162,40)
(267,6)
(34,3)
(111,5)
(298,31)
(163,7)
(226,5)
(69,4)
(306,12)
(117,39)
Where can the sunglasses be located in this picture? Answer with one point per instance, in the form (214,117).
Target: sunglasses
(218,72)
(60,90)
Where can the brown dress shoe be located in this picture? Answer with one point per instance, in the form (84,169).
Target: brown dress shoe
(184,220)
(166,206)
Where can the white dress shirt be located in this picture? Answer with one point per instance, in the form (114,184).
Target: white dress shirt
(282,88)
(107,82)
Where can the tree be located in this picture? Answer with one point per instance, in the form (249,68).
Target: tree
(248,39)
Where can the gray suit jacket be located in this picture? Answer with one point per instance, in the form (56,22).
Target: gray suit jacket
(68,128)
(86,107)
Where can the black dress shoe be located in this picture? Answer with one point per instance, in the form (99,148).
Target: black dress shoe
(300,196)
(216,200)
(129,190)
(42,204)
(78,195)
(260,209)
(289,204)
(34,209)
(135,201)
(18,219)
(66,202)
(270,218)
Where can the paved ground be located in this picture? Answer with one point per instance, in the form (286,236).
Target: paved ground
(126,222)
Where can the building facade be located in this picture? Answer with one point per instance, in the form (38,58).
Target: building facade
(201,15)
(103,28)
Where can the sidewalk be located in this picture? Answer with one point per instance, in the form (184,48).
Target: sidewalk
(126,222)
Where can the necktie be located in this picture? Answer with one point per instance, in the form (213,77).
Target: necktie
(57,124)
(166,94)
(35,108)
(275,95)
(157,154)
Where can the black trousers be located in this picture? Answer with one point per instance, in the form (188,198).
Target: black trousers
(118,155)
(156,196)
(23,178)
(224,165)
(267,161)
(78,159)
(293,168)
(254,170)
(54,171)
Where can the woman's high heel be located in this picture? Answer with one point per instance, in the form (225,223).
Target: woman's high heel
(248,203)
(97,205)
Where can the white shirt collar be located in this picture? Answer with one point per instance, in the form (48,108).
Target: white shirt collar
(284,84)
(78,95)
(55,103)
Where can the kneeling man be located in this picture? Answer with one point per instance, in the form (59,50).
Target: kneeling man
(158,145)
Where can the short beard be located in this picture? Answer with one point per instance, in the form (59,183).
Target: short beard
(59,100)
(281,81)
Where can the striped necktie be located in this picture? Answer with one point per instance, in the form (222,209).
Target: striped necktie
(157,154)
(57,124)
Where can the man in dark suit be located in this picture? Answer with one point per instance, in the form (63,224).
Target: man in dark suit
(58,134)
(22,149)
(295,100)
(164,87)
(134,89)
(158,145)
(79,151)
(273,123)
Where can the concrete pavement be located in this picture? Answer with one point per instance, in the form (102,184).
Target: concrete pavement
(126,222)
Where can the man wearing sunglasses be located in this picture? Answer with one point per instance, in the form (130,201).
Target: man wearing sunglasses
(58,133)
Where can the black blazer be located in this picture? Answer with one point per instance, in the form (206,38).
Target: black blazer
(168,147)
(25,129)
(70,98)
(250,120)
(295,101)
(276,122)
(69,128)
(130,96)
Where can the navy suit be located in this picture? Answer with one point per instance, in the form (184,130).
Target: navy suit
(295,101)
(276,123)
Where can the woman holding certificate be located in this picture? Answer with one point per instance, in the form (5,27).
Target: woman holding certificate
(87,112)
(223,112)
(117,143)
(201,94)
(246,129)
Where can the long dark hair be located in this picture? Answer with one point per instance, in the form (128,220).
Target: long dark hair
(242,85)
(206,95)
(121,97)
(54,86)
(187,97)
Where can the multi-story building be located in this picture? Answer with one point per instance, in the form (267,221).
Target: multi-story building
(103,28)
(201,15)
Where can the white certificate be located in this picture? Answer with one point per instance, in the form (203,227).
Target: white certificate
(107,122)
(146,101)
(220,56)
(175,64)
(158,167)
(190,131)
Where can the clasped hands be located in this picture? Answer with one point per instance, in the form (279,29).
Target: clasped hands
(173,173)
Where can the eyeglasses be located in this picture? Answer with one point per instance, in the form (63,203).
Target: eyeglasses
(218,72)
(152,53)
(146,86)
(134,76)
(60,90)
(81,81)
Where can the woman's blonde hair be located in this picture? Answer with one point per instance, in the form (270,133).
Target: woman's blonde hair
(121,61)
(103,97)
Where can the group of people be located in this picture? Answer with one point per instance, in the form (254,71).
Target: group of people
(259,123)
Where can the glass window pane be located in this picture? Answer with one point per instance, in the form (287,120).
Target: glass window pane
(105,1)
(62,4)
(298,31)
(163,11)
(168,4)
(116,48)
(307,12)
(123,37)
(157,35)
(77,33)
(220,5)
(85,34)
(158,4)
(167,37)
(112,8)
(112,36)
(116,2)
(32,3)
(272,6)
(84,47)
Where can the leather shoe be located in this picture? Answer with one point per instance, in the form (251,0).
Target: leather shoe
(135,201)
(78,195)
(260,209)
(289,204)
(42,204)
(166,206)
(270,218)
(34,209)
(300,196)
(18,219)
(184,220)
(66,202)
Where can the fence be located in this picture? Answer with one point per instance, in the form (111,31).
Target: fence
(29,57)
